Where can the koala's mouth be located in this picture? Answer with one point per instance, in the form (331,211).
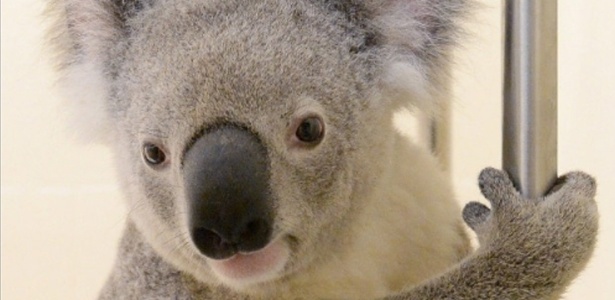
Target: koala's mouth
(243,269)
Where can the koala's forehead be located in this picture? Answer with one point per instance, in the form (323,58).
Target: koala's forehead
(239,60)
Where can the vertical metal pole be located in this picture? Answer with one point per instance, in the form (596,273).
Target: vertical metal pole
(530,94)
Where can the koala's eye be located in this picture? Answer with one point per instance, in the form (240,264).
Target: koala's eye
(310,130)
(153,155)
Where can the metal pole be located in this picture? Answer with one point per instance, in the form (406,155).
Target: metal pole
(530,94)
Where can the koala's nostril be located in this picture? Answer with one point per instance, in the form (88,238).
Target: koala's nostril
(253,228)
(254,235)
(212,244)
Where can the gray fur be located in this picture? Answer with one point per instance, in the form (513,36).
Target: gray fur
(530,248)
(165,71)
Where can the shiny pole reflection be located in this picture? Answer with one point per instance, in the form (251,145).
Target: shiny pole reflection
(530,94)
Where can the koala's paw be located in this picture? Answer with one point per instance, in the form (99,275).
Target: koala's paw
(549,237)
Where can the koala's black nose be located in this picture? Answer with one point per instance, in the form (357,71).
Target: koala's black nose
(227,187)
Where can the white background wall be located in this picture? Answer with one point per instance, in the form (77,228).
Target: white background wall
(62,213)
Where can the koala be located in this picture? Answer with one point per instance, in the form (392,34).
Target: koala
(256,150)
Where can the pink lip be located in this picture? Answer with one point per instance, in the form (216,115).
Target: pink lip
(255,266)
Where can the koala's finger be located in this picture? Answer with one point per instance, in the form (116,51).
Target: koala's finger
(496,186)
(475,214)
(576,182)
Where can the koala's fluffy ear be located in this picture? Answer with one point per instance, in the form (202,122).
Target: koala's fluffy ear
(83,34)
(420,35)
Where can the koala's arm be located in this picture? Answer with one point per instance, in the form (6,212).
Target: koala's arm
(139,273)
(530,249)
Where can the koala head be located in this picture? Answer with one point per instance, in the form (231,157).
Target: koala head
(248,133)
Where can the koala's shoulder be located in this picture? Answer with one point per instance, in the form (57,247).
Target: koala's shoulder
(140,273)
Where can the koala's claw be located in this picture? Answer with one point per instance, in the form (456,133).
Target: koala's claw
(569,204)
(563,224)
